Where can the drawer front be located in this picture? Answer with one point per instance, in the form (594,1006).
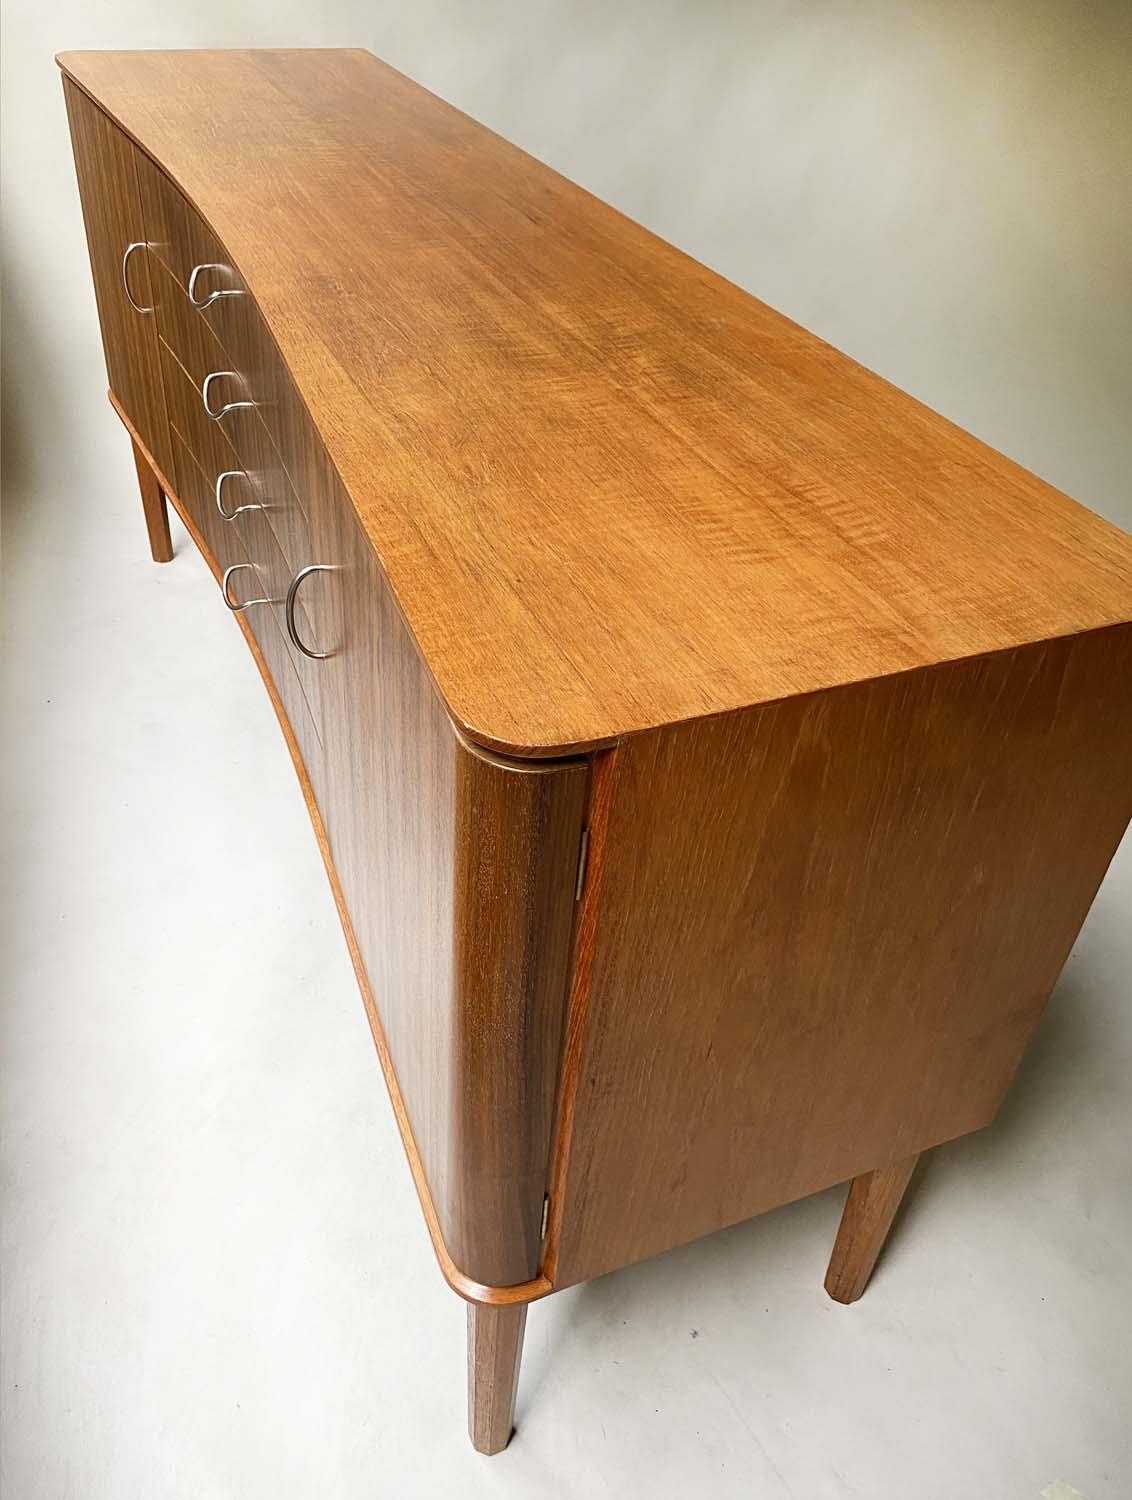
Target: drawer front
(259,458)
(245,530)
(244,486)
(238,445)
(242,429)
(274,574)
(226,332)
(276,435)
(194,489)
(246,546)
(210,446)
(193,343)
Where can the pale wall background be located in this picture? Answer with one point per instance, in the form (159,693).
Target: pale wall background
(942,188)
(216,1281)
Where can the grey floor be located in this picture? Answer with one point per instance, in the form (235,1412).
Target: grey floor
(217,1282)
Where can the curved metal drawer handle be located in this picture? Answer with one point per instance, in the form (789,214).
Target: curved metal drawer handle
(232,603)
(230,515)
(129,250)
(210,265)
(292,595)
(228,405)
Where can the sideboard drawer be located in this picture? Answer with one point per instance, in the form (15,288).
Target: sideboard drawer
(193,342)
(239,341)
(237,442)
(195,489)
(258,456)
(244,530)
(224,329)
(246,546)
(209,446)
(201,355)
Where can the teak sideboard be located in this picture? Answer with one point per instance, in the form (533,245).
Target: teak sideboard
(714,752)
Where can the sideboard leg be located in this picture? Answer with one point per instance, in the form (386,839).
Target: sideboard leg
(870,1209)
(153,503)
(495,1347)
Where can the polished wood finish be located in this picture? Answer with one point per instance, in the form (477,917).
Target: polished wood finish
(827,929)
(495,1347)
(713,753)
(536,406)
(870,1208)
(104,166)
(153,505)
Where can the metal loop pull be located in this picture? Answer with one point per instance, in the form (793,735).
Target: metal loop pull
(129,250)
(232,604)
(228,405)
(292,595)
(230,515)
(210,265)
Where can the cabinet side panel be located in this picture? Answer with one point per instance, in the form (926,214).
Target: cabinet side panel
(827,929)
(108,188)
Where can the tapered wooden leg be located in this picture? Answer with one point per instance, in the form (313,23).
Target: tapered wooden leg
(495,1347)
(870,1209)
(153,503)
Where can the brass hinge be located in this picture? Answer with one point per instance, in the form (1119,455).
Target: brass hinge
(583,854)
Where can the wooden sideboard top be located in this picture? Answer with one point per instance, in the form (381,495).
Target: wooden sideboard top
(610,489)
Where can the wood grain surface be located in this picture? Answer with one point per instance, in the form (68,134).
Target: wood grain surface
(826,930)
(609,489)
(870,1208)
(104,166)
(495,1348)
(153,507)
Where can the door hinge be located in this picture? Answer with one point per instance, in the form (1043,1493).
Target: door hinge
(583,856)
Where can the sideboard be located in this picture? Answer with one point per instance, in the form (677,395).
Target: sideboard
(714,752)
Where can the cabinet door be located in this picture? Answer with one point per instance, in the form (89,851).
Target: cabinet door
(104,164)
